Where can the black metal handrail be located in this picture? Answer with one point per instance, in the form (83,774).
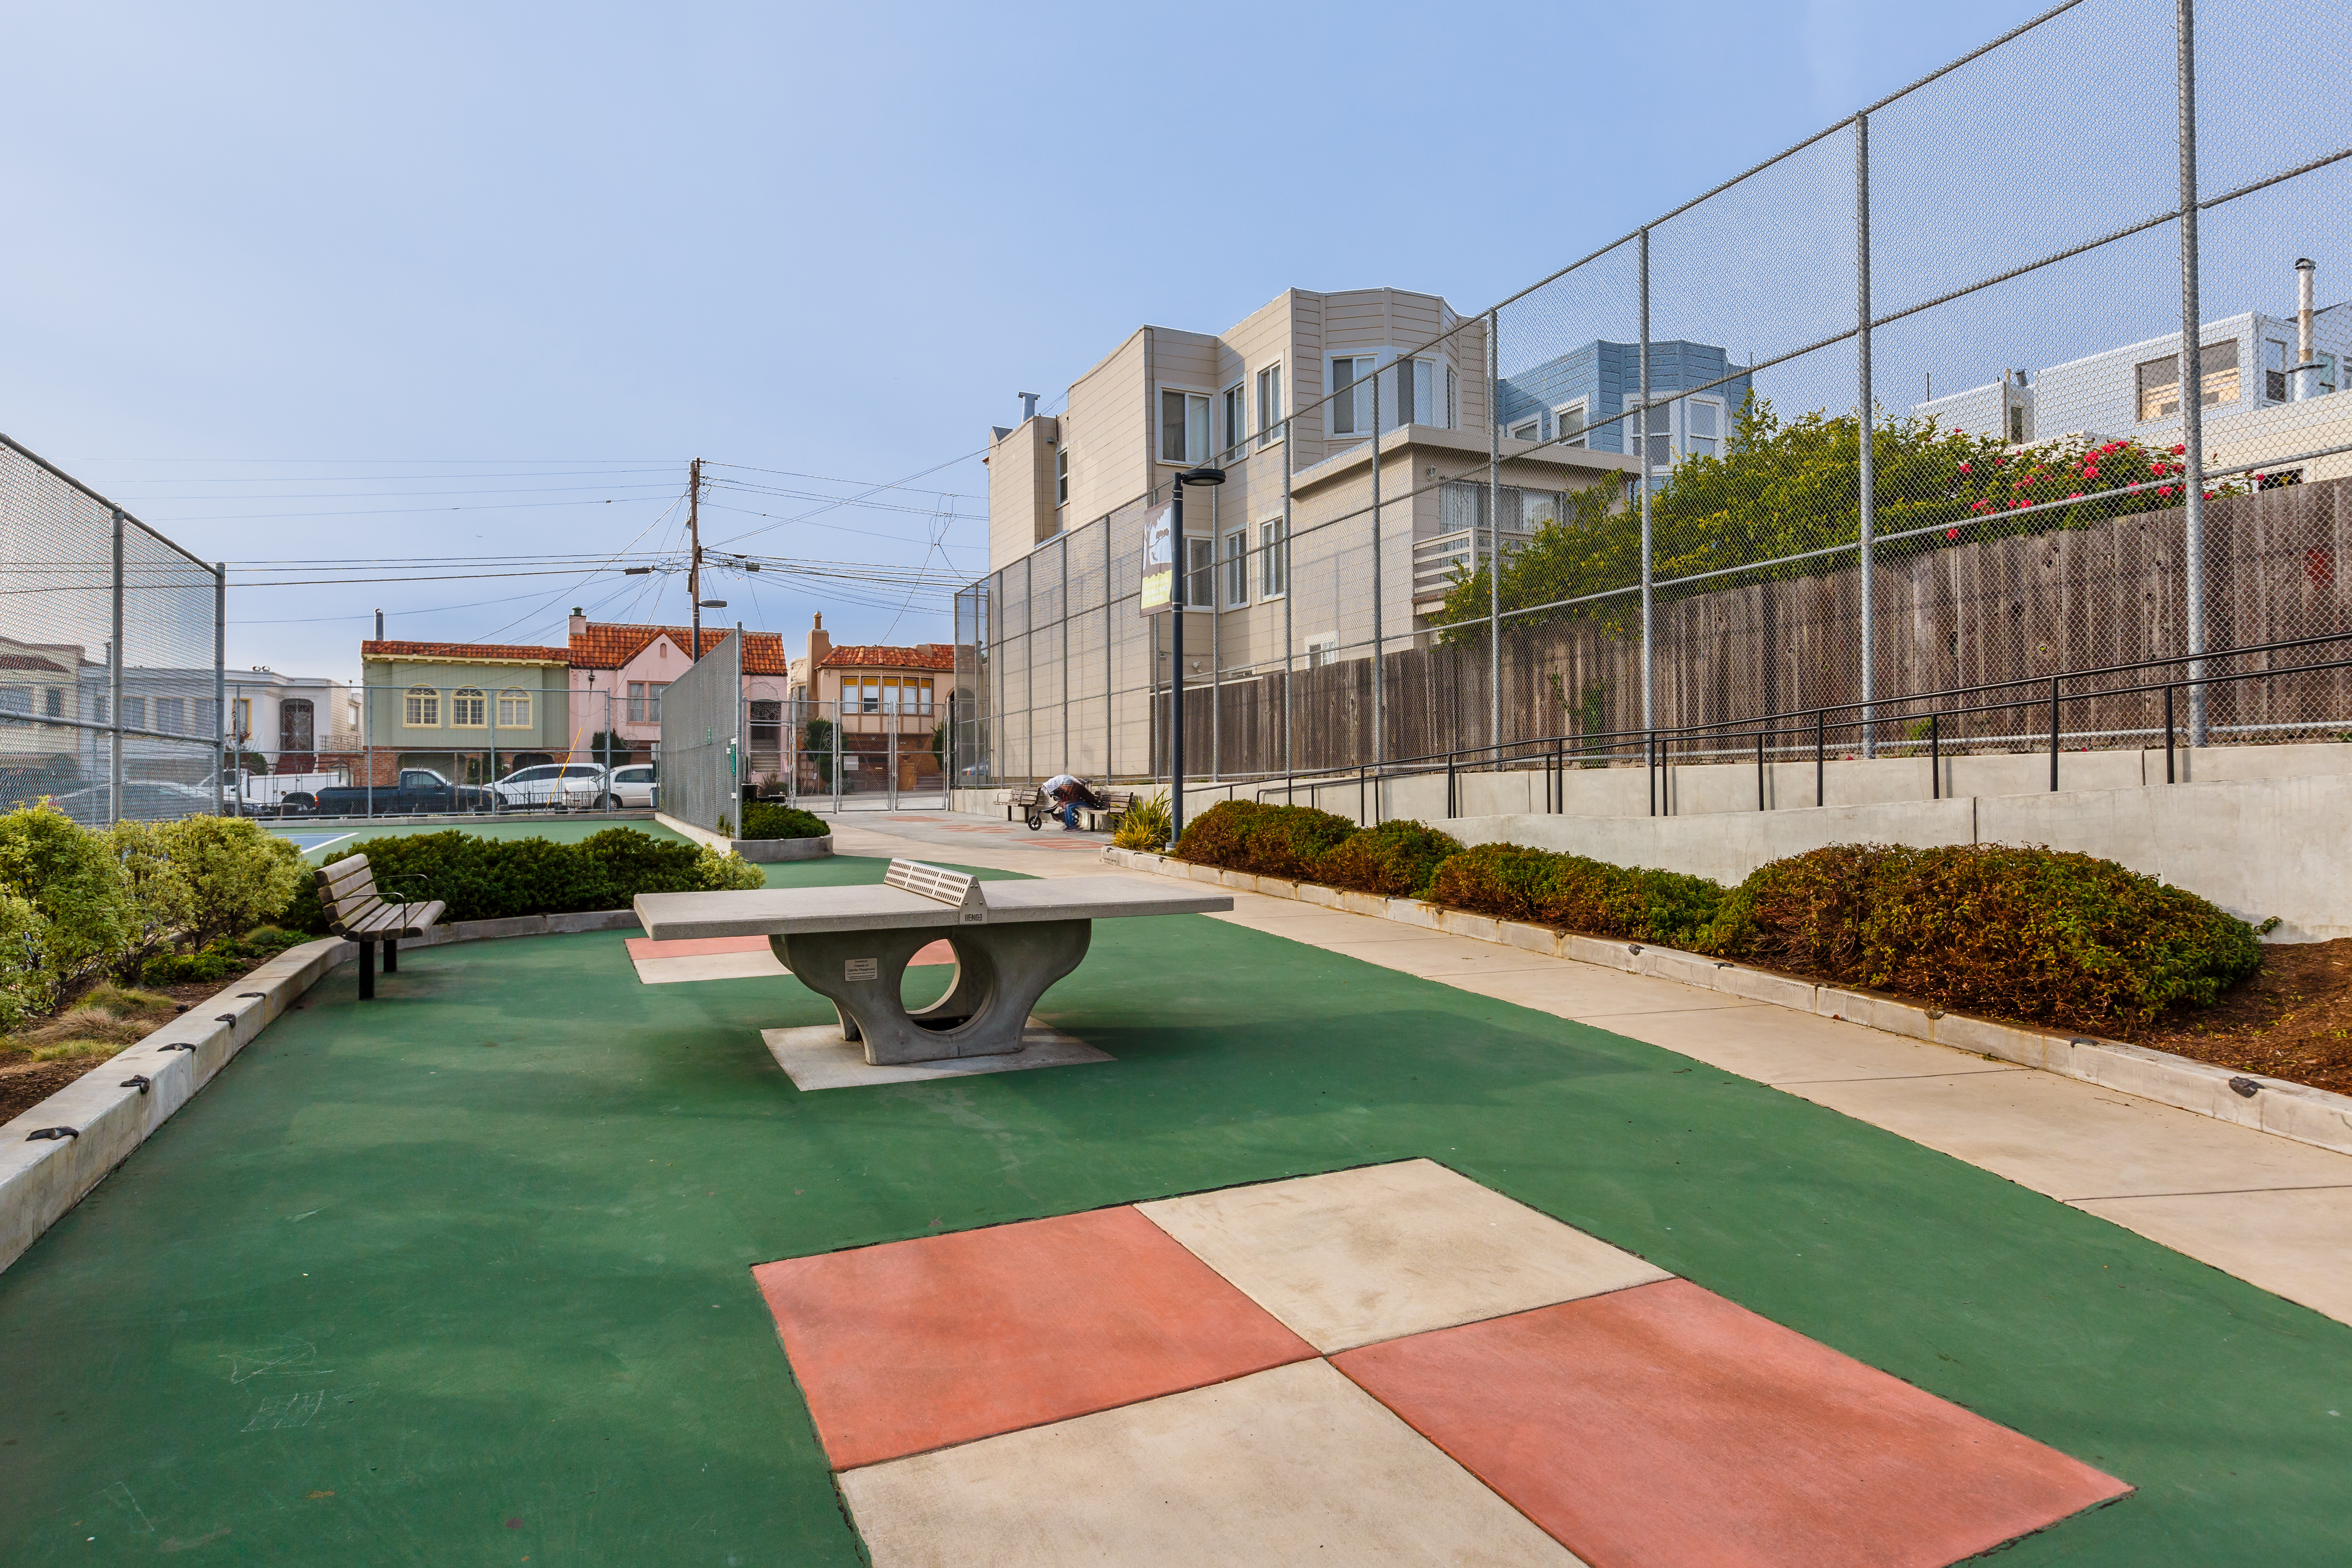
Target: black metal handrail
(1656,746)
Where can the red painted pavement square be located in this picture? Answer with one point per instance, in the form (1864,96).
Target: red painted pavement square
(913,1346)
(1665,1425)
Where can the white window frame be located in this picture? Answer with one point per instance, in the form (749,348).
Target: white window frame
(1359,403)
(1423,413)
(1683,432)
(1232,575)
(1273,559)
(1194,399)
(1233,407)
(1582,408)
(1270,420)
(469,701)
(1061,476)
(1528,429)
(1200,563)
(1321,649)
(420,707)
(511,700)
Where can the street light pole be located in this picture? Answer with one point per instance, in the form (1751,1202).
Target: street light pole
(1181,567)
(1176,678)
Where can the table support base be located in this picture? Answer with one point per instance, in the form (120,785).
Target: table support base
(1001,971)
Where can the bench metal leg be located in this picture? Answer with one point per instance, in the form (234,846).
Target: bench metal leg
(367,971)
(390,956)
(1001,971)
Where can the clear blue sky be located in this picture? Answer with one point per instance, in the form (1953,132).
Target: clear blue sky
(399,276)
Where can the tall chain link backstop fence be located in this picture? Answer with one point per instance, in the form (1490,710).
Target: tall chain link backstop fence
(1938,349)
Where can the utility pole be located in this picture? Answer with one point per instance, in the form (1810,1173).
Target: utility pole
(694,556)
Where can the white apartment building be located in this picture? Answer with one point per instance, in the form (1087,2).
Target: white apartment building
(2262,400)
(1266,581)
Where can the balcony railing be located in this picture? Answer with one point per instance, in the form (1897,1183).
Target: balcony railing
(1437,561)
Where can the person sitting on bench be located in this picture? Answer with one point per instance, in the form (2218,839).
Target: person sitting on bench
(1068,795)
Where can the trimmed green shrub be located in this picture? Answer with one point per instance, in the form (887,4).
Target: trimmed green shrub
(2041,935)
(1144,824)
(496,879)
(1219,836)
(1397,858)
(1265,840)
(770,820)
(236,875)
(70,875)
(1516,882)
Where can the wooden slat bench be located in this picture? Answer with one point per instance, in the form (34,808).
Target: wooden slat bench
(1105,816)
(358,911)
(1029,805)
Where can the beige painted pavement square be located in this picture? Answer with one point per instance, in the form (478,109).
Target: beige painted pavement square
(1296,1465)
(816,1056)
(1352,1256)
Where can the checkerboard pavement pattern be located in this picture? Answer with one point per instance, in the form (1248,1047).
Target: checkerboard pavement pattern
(1388,1364)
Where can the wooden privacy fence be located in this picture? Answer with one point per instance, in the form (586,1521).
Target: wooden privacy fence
(1948,617)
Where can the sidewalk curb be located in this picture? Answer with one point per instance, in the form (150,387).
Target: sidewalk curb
(40,1182)
(2314,1116)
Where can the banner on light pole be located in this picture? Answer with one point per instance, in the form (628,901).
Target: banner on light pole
(1159,584)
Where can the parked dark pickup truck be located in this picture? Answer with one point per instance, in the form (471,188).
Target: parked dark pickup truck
(419,792)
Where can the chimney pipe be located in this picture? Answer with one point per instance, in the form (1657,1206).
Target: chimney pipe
(1028,405)
(2306,368)
(379,626)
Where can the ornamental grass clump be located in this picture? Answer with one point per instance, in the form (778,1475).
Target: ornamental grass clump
(2039,935)
(1144,824)
(1516,882)
(1397,859)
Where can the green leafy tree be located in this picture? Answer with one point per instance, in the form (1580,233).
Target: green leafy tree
(1783,490)
(609,747)
(76,886)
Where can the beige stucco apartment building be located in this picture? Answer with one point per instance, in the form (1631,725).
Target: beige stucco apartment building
(1282,559)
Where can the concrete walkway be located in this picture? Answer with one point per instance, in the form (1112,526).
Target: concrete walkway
(2273,1213)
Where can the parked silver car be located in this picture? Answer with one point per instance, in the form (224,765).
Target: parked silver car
(634,786)
(552,786)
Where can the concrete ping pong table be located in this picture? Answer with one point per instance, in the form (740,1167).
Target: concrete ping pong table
(850,945)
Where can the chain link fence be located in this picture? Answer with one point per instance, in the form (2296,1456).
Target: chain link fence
(1882,439)
(110,637)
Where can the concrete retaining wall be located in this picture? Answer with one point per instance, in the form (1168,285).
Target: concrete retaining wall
(762,851)
(112,1116)
(2258,848)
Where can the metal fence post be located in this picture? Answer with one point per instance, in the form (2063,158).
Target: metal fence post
(1379,664)
(220,684)
(1641,477)
(1494,535)
(837,712)
(1110,667)
(114,689)
(1217,642)
(1288,759)
(1867,499)
(2192,376)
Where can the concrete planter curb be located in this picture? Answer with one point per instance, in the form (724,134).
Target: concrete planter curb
(111,1115)
(2307,1115)
(759,851)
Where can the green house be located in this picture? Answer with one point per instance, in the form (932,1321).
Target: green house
(471,711)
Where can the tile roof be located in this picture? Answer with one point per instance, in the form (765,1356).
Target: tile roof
(428,650)
(922,656)
(608,645)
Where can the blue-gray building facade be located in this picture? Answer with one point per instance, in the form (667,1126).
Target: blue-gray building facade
(1580,399)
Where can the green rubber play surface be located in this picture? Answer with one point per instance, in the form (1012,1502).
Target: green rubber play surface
(462,1276)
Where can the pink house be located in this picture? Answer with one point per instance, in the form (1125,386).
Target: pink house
(622,669)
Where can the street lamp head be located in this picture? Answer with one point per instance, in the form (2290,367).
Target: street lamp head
(714,603)
(1204,475)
